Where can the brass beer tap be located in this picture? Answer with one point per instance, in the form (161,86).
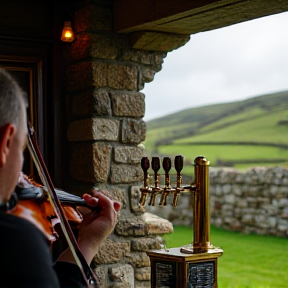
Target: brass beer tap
(179,161)
(167,189)
(156,188)
(199,190)
(145,164)
(195,264)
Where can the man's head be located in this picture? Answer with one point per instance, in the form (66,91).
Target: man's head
(13,133)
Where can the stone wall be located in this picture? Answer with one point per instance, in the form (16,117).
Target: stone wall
(104,75)
(255,201)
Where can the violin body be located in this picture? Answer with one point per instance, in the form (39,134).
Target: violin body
(33,204)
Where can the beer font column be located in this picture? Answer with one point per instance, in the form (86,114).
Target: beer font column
(193,265)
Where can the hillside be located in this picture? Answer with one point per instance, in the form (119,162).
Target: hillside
(253,125)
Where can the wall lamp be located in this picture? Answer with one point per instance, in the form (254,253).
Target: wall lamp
(67,32)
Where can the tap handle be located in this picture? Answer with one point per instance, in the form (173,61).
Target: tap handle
(178,163)
(145,164)
(179,167)
(155,164)
(156,167)
(166,164)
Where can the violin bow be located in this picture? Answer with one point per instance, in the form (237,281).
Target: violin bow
(66,228)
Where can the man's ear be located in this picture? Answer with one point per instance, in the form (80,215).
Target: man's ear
(7,133)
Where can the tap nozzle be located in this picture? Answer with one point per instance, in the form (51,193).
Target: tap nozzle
(165,193)
(144,192)
(154,193)
(175,197)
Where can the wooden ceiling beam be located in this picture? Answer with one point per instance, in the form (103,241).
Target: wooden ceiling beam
(189,17)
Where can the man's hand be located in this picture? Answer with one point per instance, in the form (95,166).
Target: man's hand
(94,228)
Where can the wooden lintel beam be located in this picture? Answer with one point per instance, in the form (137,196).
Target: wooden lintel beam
(157,41)
(129,14)
(189,16)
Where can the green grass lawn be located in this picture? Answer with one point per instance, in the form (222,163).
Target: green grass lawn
(249,261)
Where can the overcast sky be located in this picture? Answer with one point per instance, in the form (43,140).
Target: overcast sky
(224,65)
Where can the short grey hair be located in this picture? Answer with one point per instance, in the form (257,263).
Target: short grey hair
(12,99)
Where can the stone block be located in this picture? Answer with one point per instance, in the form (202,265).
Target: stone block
(96,102)
(131,226)
(235,226)
(248,219)
(242,203)
(90,162)
(115,193)
(218,190)
(93,129)
(101,275)
(144,225)
(237,190)
(111,251)
(227,188)
(91,45)
(133,131)
(128,104)
(126,174)
(128,155)
(147,75)
(146,244)
(229,198)
(135,195)
(159,58)
(137,259)
(98,73)
(122,276)
(153,59)
(282,225)
(122,77)
(284,213)
(157,225)
(283,202)
(143,274)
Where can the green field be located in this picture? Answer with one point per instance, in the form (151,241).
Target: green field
(249,261)
(263,128)
(261,121)
(227,152)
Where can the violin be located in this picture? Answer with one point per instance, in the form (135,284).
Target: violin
(31,202)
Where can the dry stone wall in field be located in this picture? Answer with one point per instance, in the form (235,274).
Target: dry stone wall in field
(255,201)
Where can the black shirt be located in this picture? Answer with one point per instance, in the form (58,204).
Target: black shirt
(25,258)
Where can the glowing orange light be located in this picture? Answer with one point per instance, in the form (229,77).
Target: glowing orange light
(67,32)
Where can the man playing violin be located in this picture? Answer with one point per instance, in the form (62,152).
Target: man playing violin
(24,252)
